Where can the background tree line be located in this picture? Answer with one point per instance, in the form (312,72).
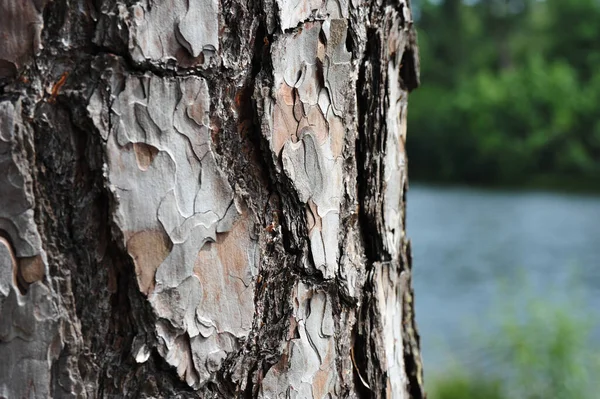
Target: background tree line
(510,94)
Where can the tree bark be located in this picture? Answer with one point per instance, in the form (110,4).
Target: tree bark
(206,199)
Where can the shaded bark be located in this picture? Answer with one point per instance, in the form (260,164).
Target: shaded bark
(206,199)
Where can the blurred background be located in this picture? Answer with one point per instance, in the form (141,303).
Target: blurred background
(504,200)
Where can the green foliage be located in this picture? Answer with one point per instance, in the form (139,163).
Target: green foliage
(510,91)
(541,350)
(461,387)
(547,354)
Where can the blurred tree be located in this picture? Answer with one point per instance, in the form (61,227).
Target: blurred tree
(510,94)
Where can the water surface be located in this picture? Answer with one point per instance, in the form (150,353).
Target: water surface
(467,241)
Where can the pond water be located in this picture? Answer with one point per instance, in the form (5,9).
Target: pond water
(467,242)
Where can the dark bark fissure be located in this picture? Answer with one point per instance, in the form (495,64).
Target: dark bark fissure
(368,376)
(410,335)
(368,147)
(360,348)
(409,67)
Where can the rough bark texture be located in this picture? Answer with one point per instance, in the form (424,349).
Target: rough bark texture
(203,198)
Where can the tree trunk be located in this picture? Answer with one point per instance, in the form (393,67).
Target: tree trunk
(205,199)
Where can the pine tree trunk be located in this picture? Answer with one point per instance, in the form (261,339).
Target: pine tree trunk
(205,199)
